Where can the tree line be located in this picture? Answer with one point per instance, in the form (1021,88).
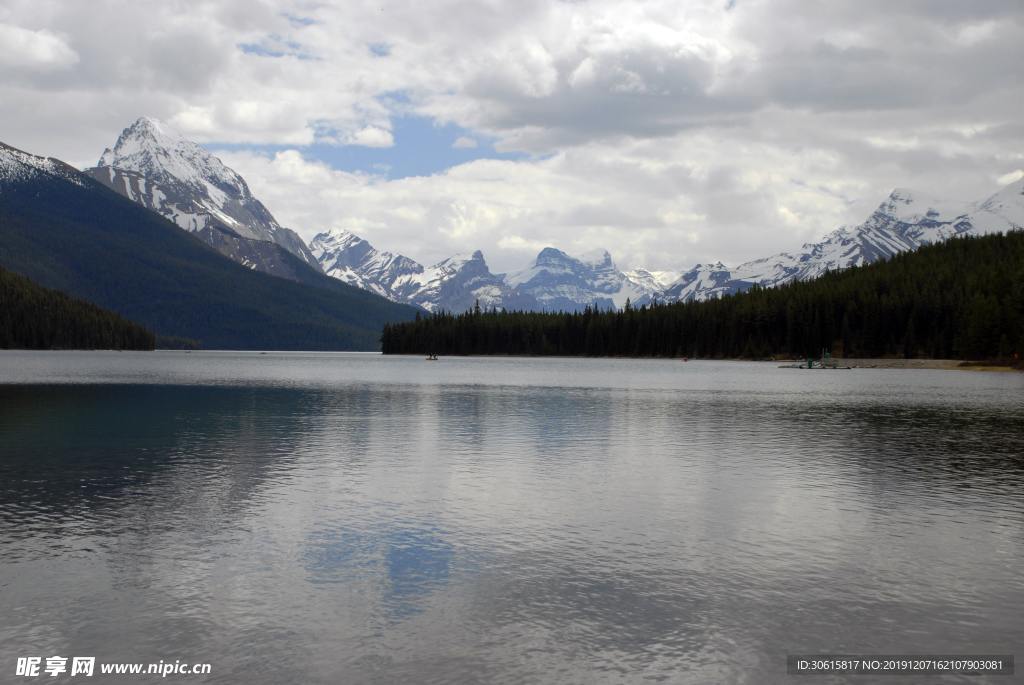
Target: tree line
(961,299)
(37,318)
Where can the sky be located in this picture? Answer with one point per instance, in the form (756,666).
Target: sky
(669,132)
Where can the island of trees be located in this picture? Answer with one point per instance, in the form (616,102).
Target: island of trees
(961,299)
(37,318)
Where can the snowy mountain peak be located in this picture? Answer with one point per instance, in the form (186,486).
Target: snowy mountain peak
(551,255)
(910,207)
(334,240)
(461,261)
(554,281)
(135,138)
(155,150)
(156,166)
(717,266)
(903,195)
(597,258)
(1003,210)
(654,281)
(905,221)
(594,259)
(559,281)
(347,257)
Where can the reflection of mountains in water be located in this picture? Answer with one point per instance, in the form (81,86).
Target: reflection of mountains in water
(99,445)
(377,532)
(71,445)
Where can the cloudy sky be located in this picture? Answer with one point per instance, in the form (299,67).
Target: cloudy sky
(670,132)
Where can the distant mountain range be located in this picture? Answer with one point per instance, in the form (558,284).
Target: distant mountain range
(66,231)
(555,281)
(157,168)
(558,281)
(906,221)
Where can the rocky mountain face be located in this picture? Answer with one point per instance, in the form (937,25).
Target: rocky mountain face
(152,165)
(68,232)
(557,281)
(554,282)
(905,221)
(454,284)
(351,259)
(158,168)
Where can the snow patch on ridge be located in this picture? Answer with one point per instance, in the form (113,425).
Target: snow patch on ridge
(197,190)
(17,165)
(905,221)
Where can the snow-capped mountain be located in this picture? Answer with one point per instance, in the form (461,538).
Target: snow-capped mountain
(351,259)
(654,281)
(557,281)
(561,282)
(17,166)
(906,221)
(454,284)
(702,282)
(155,166)
(457,283)
(1002,211)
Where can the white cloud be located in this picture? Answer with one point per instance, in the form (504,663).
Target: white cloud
(22,48)
(464,143)
(638,200)
(370,136)
(1011,177)
(668,132)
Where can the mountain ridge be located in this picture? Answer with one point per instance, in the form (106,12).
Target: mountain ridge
(69,232)
(556,281)
(157,167)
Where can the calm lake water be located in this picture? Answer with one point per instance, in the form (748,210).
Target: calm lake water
(350,518)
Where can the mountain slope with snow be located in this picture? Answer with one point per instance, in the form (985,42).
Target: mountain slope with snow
(17,166)
(453,284)
(459,283)
(561,282)
(68,232)
(555,281)
(351,259)
(905,221)
(158,168)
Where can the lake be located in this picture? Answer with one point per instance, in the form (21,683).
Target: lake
(330,518)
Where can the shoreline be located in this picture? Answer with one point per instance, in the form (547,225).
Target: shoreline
(942,364)
(852,362)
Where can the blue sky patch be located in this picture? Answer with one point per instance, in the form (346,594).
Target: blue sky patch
(422,148)
(275,46)
(299,21)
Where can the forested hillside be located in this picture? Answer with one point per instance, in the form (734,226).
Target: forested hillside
(960,299)
(66,231)
(37,318)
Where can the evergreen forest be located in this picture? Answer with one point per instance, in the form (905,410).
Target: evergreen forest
(961,299)
(37,318)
